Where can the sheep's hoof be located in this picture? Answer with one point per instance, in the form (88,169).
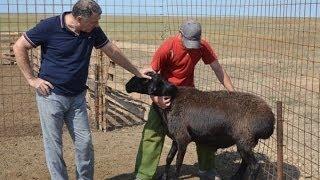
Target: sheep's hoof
(236,177)
(167,178)
(174,177)
(164,176)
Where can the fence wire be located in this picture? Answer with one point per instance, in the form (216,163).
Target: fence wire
(269,48)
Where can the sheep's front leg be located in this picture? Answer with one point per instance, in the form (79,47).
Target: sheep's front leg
(181,152)
(172,153)
(253,166)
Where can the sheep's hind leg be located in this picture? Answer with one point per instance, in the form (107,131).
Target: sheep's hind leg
(171,154)
(181,152)
(249,160)
(241,171)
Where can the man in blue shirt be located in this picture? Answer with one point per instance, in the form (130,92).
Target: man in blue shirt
(66,44)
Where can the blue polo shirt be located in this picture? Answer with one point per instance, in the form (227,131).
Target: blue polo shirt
(65,55)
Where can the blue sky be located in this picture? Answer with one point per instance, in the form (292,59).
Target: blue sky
(273,8)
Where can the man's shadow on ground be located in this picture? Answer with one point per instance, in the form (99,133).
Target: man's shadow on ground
(227,164)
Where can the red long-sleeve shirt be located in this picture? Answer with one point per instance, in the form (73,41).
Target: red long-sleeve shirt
(176,63)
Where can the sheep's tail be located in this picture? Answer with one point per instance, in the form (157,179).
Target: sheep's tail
(265,126)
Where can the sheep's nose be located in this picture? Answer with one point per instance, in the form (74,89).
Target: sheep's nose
(129,87)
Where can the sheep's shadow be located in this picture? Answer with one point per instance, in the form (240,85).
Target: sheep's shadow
(187,172)
(227,165)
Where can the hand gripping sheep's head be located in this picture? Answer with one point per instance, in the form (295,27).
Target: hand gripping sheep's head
(156,86)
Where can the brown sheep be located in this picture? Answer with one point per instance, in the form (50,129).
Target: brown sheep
(217,119)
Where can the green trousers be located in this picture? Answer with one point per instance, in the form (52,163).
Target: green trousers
(151,145)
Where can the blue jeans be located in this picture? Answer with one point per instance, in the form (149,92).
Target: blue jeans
(54,111)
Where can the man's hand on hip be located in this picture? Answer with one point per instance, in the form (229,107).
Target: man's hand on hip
(42,86)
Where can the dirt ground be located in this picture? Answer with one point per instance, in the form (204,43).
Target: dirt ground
(23,158)
(115,151)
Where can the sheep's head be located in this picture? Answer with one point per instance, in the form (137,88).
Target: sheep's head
(156,86)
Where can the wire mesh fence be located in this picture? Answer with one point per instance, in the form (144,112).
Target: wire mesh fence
(269,48)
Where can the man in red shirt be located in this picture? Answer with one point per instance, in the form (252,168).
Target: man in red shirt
(175,60)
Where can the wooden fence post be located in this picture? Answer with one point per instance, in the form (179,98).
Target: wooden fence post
(96,97)
(279,141)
